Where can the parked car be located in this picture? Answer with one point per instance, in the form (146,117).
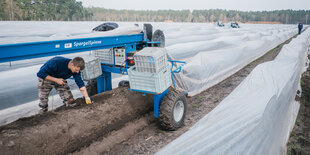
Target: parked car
(234,25)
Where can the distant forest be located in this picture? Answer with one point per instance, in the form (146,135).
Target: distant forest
(212,15)
(70,10)
(46,10)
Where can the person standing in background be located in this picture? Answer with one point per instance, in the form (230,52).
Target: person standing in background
(299,28)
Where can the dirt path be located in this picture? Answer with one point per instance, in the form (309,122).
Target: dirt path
(119,122)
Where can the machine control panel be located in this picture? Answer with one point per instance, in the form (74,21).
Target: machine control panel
(120,56)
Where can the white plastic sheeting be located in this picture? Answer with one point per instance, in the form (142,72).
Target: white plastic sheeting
(257,116)
(184,41)
(213,60)
(21,32)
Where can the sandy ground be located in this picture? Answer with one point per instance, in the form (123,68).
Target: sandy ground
(119,122)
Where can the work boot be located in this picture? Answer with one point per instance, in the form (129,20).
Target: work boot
(70,103)
(43,109)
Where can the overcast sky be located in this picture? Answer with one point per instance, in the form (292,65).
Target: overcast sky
(243,5)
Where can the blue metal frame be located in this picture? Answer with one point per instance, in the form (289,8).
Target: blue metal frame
(177,70)
(157,100)
(104,82)
(158,97)
(22,51)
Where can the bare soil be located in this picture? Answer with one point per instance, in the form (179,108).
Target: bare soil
(66,130)
(118,122)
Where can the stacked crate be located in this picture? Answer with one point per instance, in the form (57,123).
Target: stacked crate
(151,72)
(105,55)
(92,68)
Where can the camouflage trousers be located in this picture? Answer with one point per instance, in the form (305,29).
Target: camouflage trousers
(45,87)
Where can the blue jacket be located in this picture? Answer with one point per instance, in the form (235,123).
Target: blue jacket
(58,67)
(300,26)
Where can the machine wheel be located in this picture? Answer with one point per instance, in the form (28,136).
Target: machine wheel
(172,110)
(148,30)
(91,87)
(123,83)
(159,36)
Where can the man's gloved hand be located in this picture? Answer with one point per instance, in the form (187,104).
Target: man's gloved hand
(88,100)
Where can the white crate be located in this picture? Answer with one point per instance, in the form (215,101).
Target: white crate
(151,59)
(92,68)
(105,55)
(151,82)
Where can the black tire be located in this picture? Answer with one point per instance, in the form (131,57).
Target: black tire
(148,28)
(159,36)
(171,116)
(123,83)
(91,87)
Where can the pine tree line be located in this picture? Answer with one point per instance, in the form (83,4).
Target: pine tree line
(212,15)
(70,10)
(62,10)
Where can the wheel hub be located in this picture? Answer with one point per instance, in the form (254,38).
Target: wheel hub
(178,110)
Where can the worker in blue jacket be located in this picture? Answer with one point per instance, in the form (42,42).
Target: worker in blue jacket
(299,28)
(53,74)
